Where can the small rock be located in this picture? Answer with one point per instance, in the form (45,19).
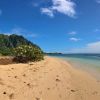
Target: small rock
(4,93)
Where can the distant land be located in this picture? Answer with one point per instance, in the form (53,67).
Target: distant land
(52,53)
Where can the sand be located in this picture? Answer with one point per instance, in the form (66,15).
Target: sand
(51,79)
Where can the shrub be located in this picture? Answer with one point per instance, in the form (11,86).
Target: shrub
(26,53)
(6,51)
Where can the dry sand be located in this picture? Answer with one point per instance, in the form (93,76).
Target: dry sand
(51,79)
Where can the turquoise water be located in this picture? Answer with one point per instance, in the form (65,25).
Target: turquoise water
(86,62)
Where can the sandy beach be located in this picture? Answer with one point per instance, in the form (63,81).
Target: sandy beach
(50,79)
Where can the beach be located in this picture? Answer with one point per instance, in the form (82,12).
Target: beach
(50,79)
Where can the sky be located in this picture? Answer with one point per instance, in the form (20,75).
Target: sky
(67,26)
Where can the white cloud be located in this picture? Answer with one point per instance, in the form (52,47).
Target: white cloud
(47,11)
(0,12)
(89,48)
(66,7)
(72,33)
(74,39)
(98,1)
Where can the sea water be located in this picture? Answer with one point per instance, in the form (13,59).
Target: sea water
(86,62)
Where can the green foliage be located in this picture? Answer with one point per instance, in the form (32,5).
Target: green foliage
(8,42)
(25,53)
(19,47)
(6,51)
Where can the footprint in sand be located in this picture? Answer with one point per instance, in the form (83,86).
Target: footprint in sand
(38,99)
(48,88)
(15,76)
(24,82)
(95,92)
(73,91)
(29,85)
(11,96)
(34,70)
(12,68)
(24,75)
(1,82)
(57,75)
(60,96)
(57,80)
(9,86)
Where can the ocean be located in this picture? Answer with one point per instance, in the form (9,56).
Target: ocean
(86,62)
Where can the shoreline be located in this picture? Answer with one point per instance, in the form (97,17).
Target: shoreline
(50,79)
(93,71)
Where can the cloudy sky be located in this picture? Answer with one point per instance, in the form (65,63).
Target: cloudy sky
(69,26)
